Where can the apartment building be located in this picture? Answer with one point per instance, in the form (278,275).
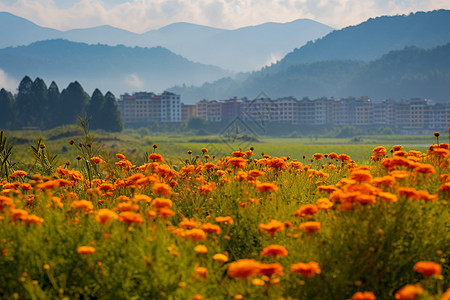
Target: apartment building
(148,106)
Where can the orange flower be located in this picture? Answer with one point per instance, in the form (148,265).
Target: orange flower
(344,157)
(104,215)
(18,173)
(211,228)
(387,197)
(310,227)
(363,296)
(270,269)
(324,204)
(327,188)
(130,217)
(427,268)
(200,272)
(306,210)
(220,257)
(226,219)
(85,250)
(162,189)
(361,176)
(274,250)
(384,181)
(159,203)
(120,156)
(256,173)
(166,212)
(272,227)
(189,223)
(446,295)
(318,156)
(237,162)
(84,205)
(244,268)
(266,187)
(96,160)
(306,269)
(18,214)
(201,249)
(238,154)
(155,157)
(194,234)
(277,163)
(409,292)
(378,152)
(32,219)
(127,206)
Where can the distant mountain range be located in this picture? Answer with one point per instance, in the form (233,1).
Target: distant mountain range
(118,69)
(355,61)
(239,50)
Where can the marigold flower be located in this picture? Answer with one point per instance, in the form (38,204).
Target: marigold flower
(306,210)
(120,156)
(361,176)
(18,173)
(409,292)
(378,152)
(155,157)
(427,268)
(344,157)
(85,250)
(84,205)
(104,215)
(32,219)
(127,206)
(194,234)
(18,214)
(324,204)
(204,150)
(189,223)
(274,250)
(266,187)
(310,227)
(258,282)
(226,219)
(446,295)
(271,269)
(306,269)
(384,181)
(201,249)
(162,189)
(327,188)
(363,296)
(200,272)
(256,173)
(244,268)
(237,162)
(96,160)
(387,197)
(318,156)
(142,198)
(272,227)
(211,228)
(130,217)
(277,163)
(166,212)
(159,203)
(220,257)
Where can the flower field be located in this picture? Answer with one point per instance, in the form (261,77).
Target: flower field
(243,226)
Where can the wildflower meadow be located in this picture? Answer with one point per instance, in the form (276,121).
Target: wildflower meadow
(242,226)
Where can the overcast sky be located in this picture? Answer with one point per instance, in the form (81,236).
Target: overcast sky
(142,15)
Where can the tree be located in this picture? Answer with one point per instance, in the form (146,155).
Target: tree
(73,103)
(111,119)
(54,105)
(39,104)
(95,110)
(23,104)
(6,109)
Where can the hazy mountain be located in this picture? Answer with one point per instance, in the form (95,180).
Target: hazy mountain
(243,49)
(374,38)
(407,73)
(118,69)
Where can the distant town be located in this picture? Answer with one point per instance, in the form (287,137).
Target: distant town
(167,107)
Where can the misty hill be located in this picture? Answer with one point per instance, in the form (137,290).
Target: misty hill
(118,69)
(243,49)
(407,73)
(374,38)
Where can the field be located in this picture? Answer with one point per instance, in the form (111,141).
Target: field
(133,216)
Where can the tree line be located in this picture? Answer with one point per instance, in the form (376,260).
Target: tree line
(36,105)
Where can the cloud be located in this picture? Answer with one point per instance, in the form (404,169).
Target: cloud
(142,15)
(134,81)
(7,82)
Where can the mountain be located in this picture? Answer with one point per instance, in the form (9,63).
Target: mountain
(118,69)
(408,73)
(238,50)
(374,38)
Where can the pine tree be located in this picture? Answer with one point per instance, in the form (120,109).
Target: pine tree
(111,118)
(24,103)
(95,110)
(40,104)
(73,103)
(6,109)
(54,105)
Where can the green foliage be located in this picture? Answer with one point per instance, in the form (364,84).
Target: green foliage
(5,157)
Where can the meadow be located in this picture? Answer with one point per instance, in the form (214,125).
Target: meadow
(129,216)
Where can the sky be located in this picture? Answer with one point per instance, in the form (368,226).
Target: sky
(142,15)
